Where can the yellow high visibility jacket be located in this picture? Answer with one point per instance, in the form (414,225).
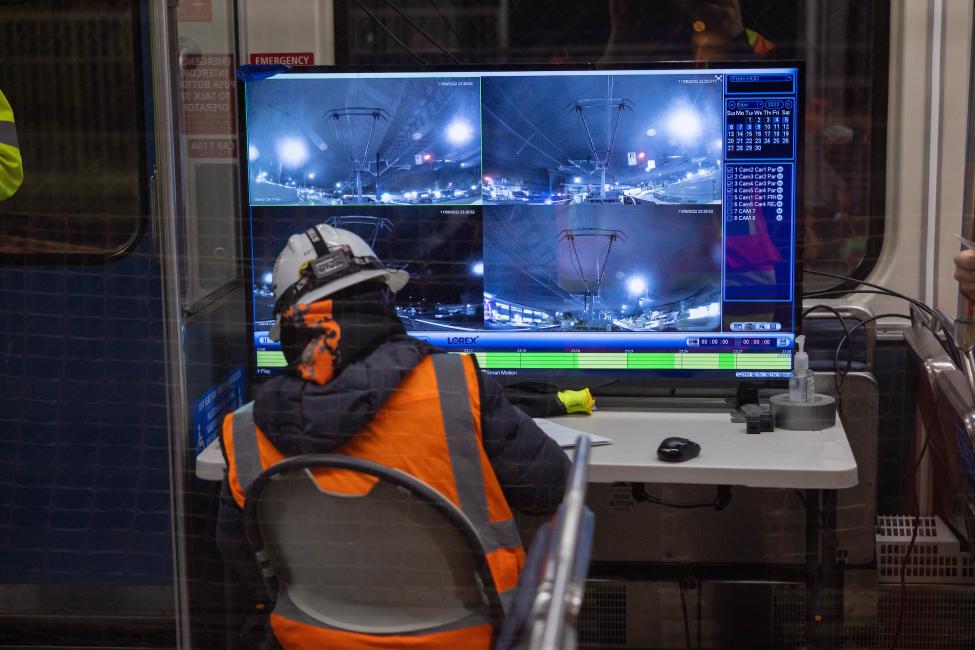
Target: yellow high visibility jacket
(11,164)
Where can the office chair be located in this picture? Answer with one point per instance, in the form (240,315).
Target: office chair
(398,559)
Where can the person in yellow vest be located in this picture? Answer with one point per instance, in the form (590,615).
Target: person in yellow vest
(358,385)
(11,164)
(696,29)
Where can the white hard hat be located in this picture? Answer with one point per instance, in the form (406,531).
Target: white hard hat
(322,261)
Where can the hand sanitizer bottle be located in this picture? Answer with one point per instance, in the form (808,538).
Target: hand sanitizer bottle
(802,382)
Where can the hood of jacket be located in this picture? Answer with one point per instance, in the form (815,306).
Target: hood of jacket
(303,417)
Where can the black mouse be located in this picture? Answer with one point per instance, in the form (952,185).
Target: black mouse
(677,450)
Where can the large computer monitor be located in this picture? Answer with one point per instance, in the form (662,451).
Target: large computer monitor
(620,223)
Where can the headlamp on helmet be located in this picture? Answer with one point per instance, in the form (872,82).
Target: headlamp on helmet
(324,269)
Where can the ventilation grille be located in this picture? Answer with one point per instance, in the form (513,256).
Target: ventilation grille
(933,619)
(900,528)
(937,557)
(602,619)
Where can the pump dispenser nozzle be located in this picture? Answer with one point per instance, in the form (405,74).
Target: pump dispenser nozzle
(801,359)
(801,384)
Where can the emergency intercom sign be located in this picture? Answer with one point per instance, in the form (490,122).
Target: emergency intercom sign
(207,94)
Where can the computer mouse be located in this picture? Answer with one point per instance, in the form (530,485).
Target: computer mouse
(677,450)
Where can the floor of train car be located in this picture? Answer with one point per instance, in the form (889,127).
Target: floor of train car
(66,634)
(78,617)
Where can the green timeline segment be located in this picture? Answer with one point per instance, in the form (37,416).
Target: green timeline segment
(606,360)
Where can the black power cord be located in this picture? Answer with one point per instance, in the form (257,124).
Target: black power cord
(910,548)
(920,305)
(944,326)
(683,606)
(847,337)
(846,330)
(720,501)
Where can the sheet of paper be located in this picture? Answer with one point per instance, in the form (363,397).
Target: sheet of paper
(566,436)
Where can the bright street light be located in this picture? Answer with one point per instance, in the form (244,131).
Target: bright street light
(292,152)
(684,124)
(459,132)
(252,153)
(636,285)
(477,268)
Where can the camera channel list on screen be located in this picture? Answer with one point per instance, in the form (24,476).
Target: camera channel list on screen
(633,222)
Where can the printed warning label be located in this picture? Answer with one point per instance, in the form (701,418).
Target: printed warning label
(620,498)
(207,94)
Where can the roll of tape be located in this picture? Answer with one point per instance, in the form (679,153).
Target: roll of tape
(816,414)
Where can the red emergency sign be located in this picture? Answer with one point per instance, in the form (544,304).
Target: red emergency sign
(283,58)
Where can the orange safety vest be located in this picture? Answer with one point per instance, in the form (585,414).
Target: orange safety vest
(429,428)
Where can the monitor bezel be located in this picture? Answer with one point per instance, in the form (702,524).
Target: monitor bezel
(605,382)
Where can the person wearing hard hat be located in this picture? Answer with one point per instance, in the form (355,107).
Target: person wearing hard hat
(357,384)
(11,164)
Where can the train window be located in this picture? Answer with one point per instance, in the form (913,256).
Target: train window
(844,43)
(71,72)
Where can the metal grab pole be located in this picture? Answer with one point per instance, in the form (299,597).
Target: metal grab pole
(166,234)
(556,590)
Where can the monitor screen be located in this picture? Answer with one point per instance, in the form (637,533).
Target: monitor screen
(625,223)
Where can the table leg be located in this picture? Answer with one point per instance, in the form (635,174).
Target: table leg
(824,578)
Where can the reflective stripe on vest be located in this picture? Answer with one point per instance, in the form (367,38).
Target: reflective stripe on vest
(461,443)
(458,422)
(8,134)
(451,380)
(11,162)
(247,454)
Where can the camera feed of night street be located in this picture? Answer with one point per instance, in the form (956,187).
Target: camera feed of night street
(553,223)
(599,268)
(356,141)
(602,139)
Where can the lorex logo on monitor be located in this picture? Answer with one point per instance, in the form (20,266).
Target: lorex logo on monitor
(462,340)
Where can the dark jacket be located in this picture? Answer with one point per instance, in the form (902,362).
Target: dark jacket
(301,417)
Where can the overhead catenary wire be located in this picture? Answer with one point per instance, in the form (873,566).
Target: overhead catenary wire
(497,88)
(514,247)
(389,33)
(421,31)
(446,21)
(514,132)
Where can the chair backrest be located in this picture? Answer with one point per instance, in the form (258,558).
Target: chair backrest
(401,558)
